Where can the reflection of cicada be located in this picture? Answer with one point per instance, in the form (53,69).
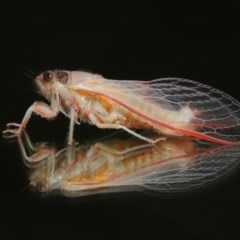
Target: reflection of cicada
(167,106)
(118,164)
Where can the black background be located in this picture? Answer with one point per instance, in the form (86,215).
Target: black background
(120,41)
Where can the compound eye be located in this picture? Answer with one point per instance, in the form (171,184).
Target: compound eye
(62,77)
(48,76)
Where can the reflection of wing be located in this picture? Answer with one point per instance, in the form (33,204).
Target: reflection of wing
(181,105)
(178,176)
(120,164)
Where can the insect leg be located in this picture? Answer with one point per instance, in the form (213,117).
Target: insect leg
(111,150)
(71,126)
(67,115)
(37,152)
(40,108)
(118,126)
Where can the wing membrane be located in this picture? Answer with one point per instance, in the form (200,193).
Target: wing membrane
(178,103)
(207,168)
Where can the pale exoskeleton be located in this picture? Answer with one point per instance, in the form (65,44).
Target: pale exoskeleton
(120,164)
(167,106)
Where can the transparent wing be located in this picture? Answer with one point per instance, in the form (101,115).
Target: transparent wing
(218,113)
(206,168)
(176,101)
(117,164)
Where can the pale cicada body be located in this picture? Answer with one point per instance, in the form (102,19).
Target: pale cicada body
(167,106)
(119,164)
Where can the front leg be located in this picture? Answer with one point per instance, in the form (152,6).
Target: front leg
(38,152)
(40,108)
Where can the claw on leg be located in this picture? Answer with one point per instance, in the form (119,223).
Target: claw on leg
(14,125)
(13,130)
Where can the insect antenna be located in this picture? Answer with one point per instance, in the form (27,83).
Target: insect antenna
(24,189)
(29,73)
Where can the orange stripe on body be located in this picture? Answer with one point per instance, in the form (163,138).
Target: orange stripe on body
(142,125)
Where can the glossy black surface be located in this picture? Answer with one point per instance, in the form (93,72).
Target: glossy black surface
(138,41)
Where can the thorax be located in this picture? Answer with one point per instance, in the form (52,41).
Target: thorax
(95,108)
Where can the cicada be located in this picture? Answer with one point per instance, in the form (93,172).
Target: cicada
(166,106)
(118,164)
